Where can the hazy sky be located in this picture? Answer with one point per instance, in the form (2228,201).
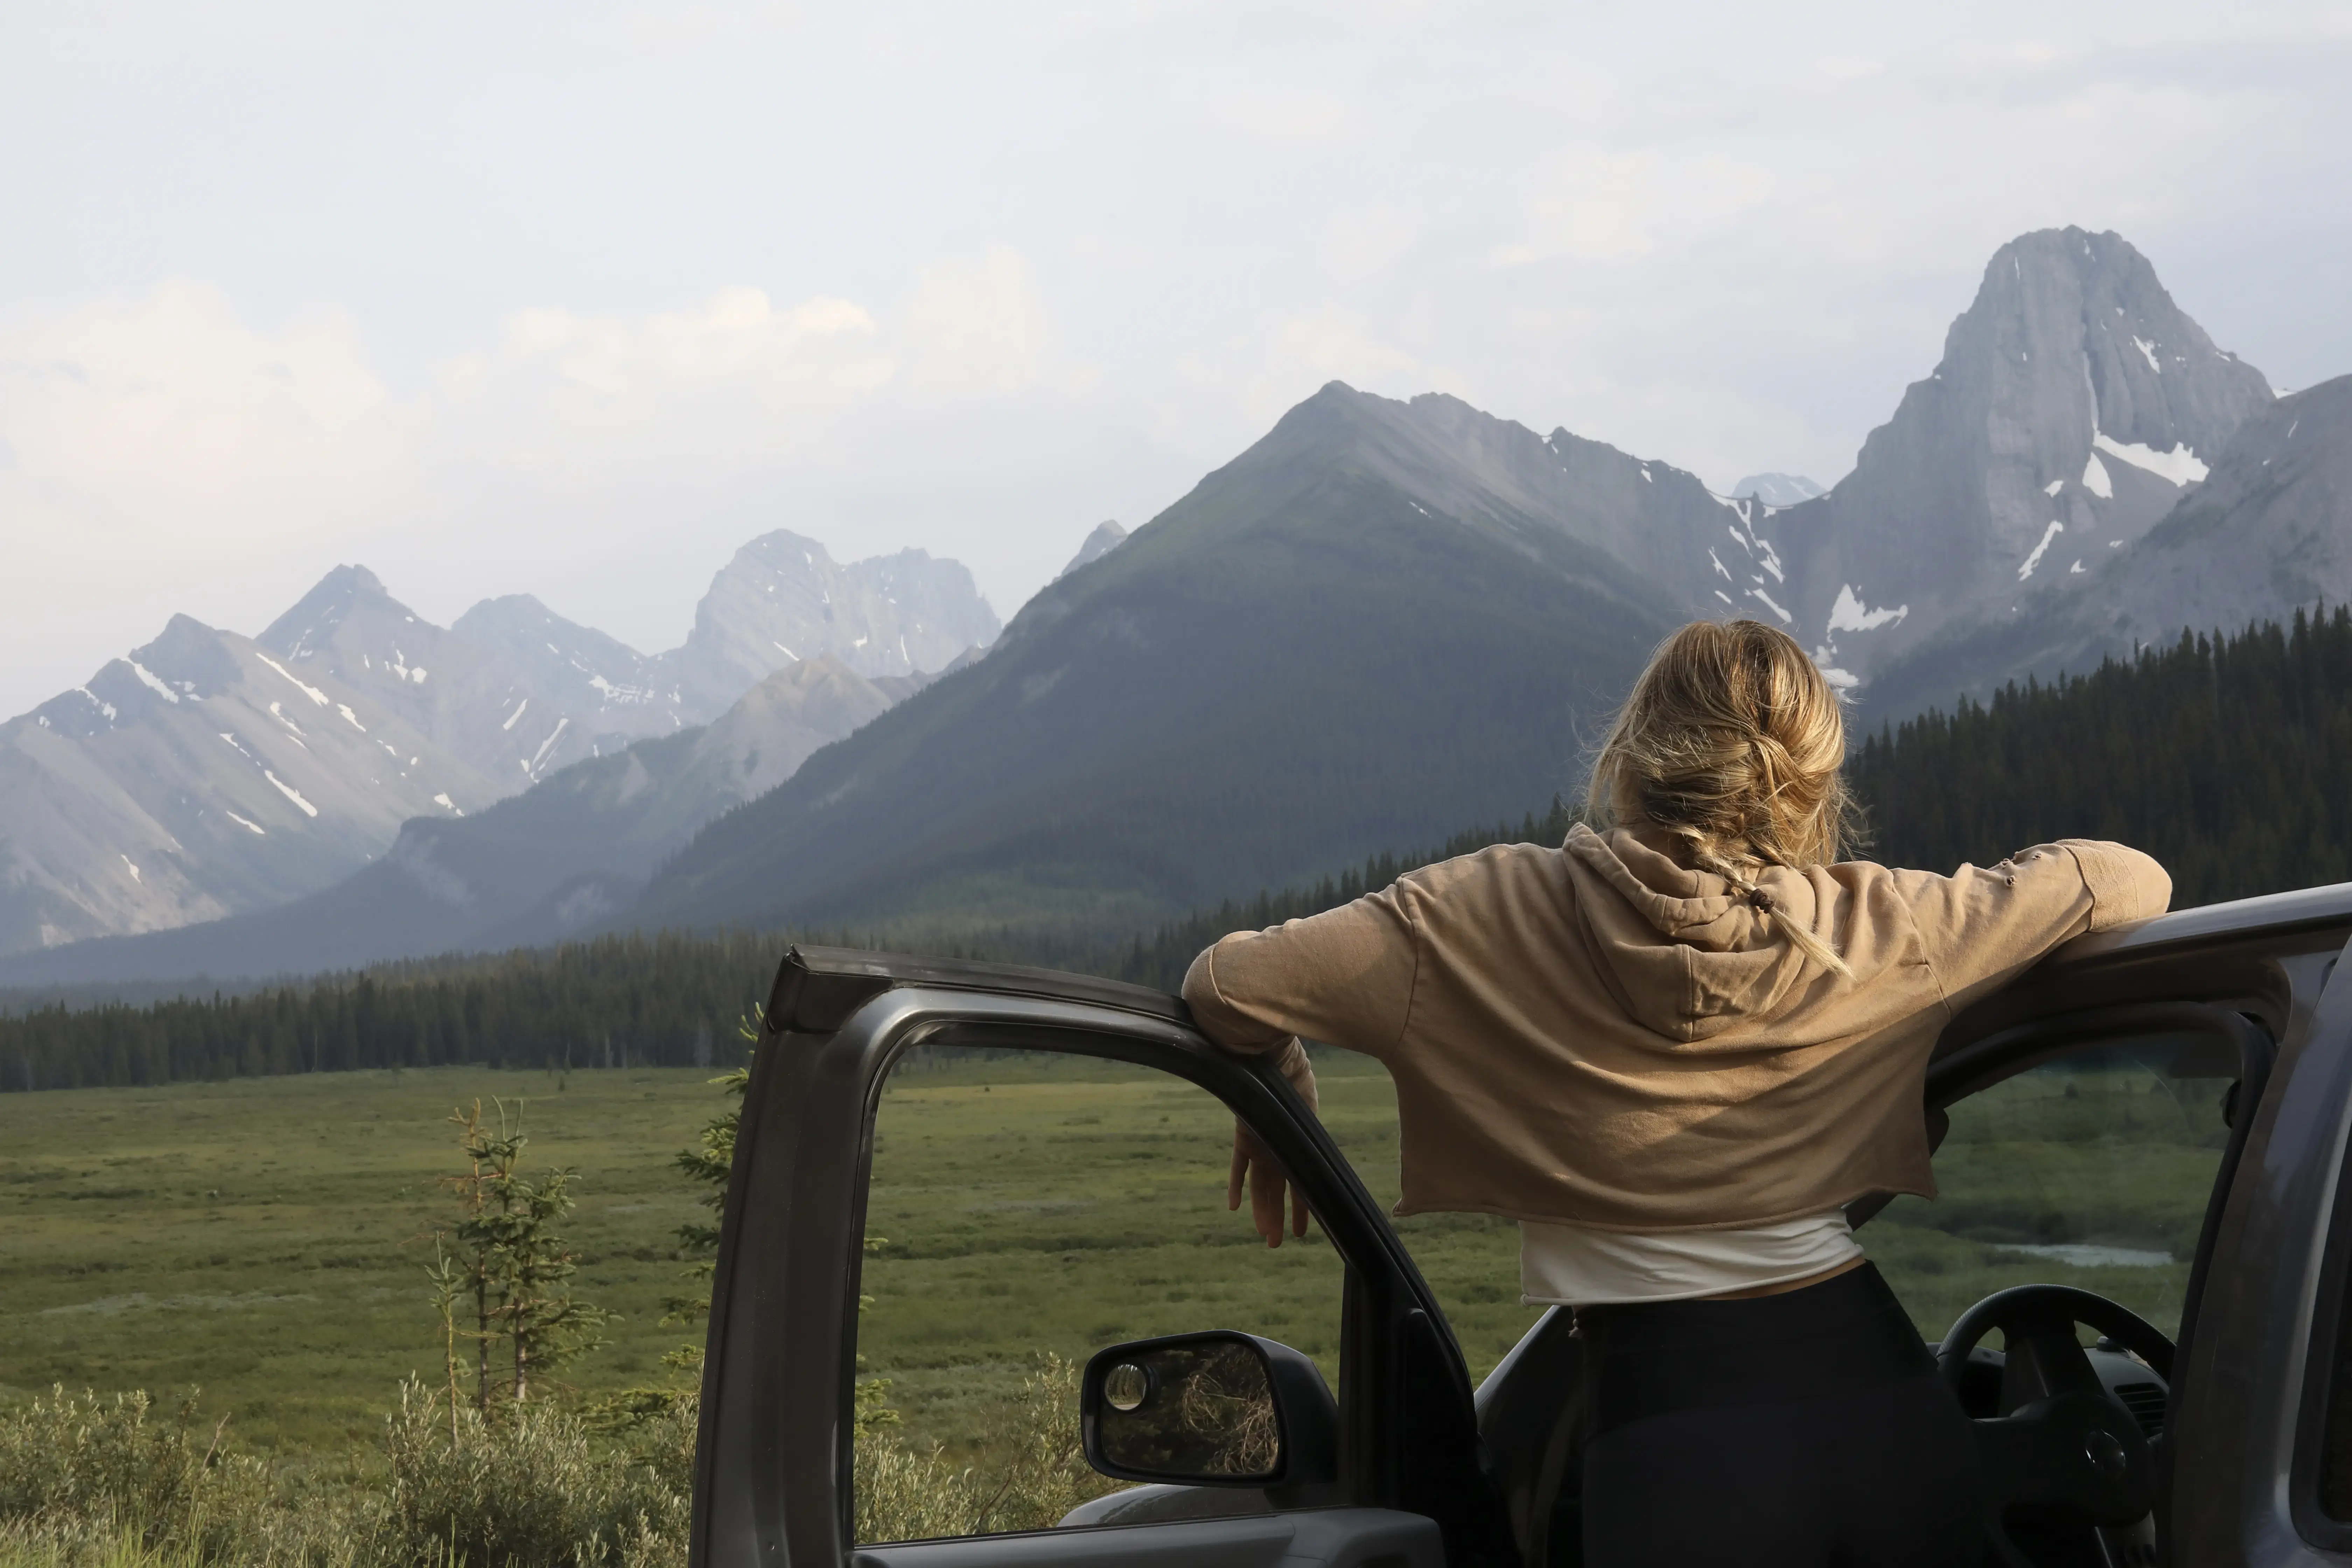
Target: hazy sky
(572,298)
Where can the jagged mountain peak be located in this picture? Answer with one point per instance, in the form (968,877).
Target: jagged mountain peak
(1107,536)
(783,598)
(2086,311)
(297,633)
(190,658)
(2075,404)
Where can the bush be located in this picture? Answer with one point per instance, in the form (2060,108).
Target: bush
(1037,1470)
(89,1475)
(91,1483)
(532,1486)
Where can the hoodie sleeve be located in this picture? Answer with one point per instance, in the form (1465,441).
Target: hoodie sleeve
(1981,926)
(1344,977)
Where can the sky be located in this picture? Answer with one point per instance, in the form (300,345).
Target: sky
(574,299)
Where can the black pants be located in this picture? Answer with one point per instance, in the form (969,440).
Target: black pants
(1803,1430)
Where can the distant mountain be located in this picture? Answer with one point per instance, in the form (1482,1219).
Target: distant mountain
(1777,489)
(208,773)
(612,693)
(783,599)
(1099,543)
(2267,532)
(1382,620)
(568,855)
(2074,403)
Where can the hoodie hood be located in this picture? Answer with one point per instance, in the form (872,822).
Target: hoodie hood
(1686,956)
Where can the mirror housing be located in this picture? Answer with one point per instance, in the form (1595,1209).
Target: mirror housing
(1214,1409)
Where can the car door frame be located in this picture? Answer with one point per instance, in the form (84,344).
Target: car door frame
(2238,1376)
(773,1463)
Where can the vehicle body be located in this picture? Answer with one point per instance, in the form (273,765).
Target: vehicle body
(2248,1456)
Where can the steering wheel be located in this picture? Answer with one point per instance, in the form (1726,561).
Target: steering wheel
(2073,1446)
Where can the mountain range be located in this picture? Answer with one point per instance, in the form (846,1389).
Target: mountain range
(208,776)
(1382,620)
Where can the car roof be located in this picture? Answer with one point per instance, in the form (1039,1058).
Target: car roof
(2304,910)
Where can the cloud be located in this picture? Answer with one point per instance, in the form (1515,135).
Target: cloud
(167,454)
(732,375)
(975,326)
(1597,205)
(1249,381)
(165,414)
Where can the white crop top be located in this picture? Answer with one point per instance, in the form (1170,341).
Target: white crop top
(1564,1265)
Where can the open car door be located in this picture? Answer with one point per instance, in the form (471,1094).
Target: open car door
(1389,1470)
(2126,1193)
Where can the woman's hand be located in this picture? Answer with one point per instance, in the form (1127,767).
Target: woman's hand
(1253,1162)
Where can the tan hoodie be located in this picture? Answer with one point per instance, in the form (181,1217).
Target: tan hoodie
(1594,1035)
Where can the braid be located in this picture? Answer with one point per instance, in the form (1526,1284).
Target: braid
(1708,857)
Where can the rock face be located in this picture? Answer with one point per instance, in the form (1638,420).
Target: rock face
(783,599)
(612,693)
(207,772)
(2073,405)
(566,856)
(2267,532)
(1099,543)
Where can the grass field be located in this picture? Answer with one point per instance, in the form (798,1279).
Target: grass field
(267,1239)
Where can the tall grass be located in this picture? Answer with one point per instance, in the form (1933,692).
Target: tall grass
(89,1482)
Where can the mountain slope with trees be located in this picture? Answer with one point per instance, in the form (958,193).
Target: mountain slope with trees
(1369,627)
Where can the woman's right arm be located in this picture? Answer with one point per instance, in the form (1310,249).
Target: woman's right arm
(1344,976)
(1981,926)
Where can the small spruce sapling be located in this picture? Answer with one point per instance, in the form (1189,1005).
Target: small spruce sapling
(512,1266)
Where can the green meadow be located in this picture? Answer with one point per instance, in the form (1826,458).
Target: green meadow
(266,1241)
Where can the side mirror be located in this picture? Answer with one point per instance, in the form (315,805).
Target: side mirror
(1217,1409)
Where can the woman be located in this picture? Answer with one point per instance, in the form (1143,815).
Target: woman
(1674,1051)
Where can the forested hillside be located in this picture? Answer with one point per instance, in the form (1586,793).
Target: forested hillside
(2229,759)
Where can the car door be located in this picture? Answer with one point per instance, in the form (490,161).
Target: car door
(2121,1122)
(776,1472)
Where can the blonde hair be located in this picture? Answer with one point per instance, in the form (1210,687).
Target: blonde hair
(1731,744)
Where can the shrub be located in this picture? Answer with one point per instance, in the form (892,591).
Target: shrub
(87,1473)
(532,1486)
(1035,1470)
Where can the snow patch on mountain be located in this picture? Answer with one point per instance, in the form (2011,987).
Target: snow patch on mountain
(312,692)
(153,681)
(2034,559)
(291,793)
(1849,613)
(2180,466)
(2096,479)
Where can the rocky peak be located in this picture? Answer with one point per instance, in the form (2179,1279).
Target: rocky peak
(2073,405)
(302,630)
(1104,538)
(783,598)
(615,693)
